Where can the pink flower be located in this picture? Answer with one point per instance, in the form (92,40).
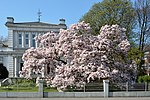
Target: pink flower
(74,56)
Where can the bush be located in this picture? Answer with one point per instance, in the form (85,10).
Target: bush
(144,78)
(24,83)
(20,85)
(3,72)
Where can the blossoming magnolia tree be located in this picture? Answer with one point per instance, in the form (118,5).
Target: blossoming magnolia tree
(75,57)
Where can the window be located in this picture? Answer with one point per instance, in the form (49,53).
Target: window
(27,35)
(33,40)
(33,36)
(27,39)
(20,39)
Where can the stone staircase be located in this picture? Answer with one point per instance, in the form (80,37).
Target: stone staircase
(5,82)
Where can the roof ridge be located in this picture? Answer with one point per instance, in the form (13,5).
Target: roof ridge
(36,22)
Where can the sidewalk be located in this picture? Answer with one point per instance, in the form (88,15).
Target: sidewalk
(125,98)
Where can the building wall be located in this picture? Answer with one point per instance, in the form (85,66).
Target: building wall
(5,63)
(147,62)
(21,37)
(10,38)
(10,66)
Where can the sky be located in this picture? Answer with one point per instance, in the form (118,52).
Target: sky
(52,11)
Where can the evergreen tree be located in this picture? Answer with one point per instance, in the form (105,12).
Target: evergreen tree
(3,72)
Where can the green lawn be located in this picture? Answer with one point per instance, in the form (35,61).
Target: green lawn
(25,89)
(18,89)
(50,89)
(24,85)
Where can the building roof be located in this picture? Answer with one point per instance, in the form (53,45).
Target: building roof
(36,23)
(10,23)
(33,23)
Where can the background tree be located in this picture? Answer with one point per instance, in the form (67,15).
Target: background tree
(3,39)
(77,57)
(109,12)
(3,72)
(142,8)
(135,54)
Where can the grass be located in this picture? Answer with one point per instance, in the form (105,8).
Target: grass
(50,89)
(23,85)
(25,89)
(18,89)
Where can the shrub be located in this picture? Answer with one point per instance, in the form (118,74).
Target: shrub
(3,72)
(144,78)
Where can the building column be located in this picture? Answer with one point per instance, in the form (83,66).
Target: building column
(43,71)
(30,39)
(16,66)
(36,43)
(23,40)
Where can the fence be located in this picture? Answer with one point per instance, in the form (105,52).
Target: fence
(105,90)
(131,87)
(18,85)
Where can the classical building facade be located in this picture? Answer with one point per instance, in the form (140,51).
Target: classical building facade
(21,37)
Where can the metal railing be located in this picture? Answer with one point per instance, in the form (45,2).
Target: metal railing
(18,85)
(130,87)
(21,84)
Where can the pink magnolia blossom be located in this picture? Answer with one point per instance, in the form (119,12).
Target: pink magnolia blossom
(74,57)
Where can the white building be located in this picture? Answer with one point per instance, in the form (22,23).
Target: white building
(21,37)
(147,62)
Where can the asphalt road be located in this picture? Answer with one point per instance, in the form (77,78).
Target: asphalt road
(124,98)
